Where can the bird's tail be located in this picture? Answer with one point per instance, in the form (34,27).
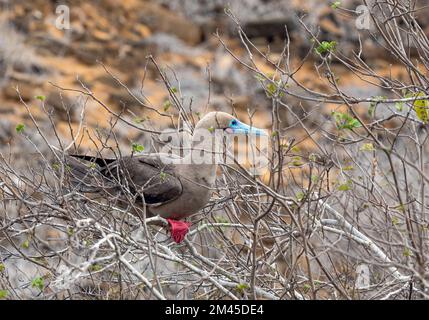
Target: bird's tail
(85,173)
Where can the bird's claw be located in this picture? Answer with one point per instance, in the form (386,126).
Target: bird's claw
(178,229)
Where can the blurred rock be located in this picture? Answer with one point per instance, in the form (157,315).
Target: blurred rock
(240,102)
(6,130)
(158,19)
(26,91)
(102,36)
(89,53)
(122,98)
(62,106)
(161,42)
(273,31)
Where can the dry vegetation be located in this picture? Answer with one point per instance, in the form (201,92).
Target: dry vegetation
(339,213)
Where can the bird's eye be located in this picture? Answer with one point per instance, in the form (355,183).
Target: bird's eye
(234,122)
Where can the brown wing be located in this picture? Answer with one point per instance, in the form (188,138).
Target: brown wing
(145,175)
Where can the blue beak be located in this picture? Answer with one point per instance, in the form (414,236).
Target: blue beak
(242,128)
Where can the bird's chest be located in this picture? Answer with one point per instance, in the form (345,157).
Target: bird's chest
(196,193)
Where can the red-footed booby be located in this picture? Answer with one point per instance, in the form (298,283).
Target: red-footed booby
(171,187)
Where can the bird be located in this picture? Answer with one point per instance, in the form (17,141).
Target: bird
(170,186)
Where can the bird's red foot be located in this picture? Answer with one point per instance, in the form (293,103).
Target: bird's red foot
(179,229)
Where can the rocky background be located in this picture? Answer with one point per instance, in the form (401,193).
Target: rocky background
(35,55)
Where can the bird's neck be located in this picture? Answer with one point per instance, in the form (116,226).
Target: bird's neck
(205,153)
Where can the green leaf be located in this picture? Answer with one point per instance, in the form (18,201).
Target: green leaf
(345,121)
(313,157)
(271,89)
(211,129)
(173,89)
(20,127)
(335,4)
(407,252)
(92,165)
(38,282)
(220,219)
(242,286)
(41,98)
(300,195)
(317,283)
(399,106)
(306,287)
(259,77)
(371,109)
(138,120)
(137,147)
(162,175)
(421,107)
(373,104)
(3,294)
(166,105)
(408,94)
(345,186)
(274,88)
(95,267)
(2,267)
(348,168)
(400,208)
(296,161)
(354,123)
(367,147)
(326,46)
(25,244)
